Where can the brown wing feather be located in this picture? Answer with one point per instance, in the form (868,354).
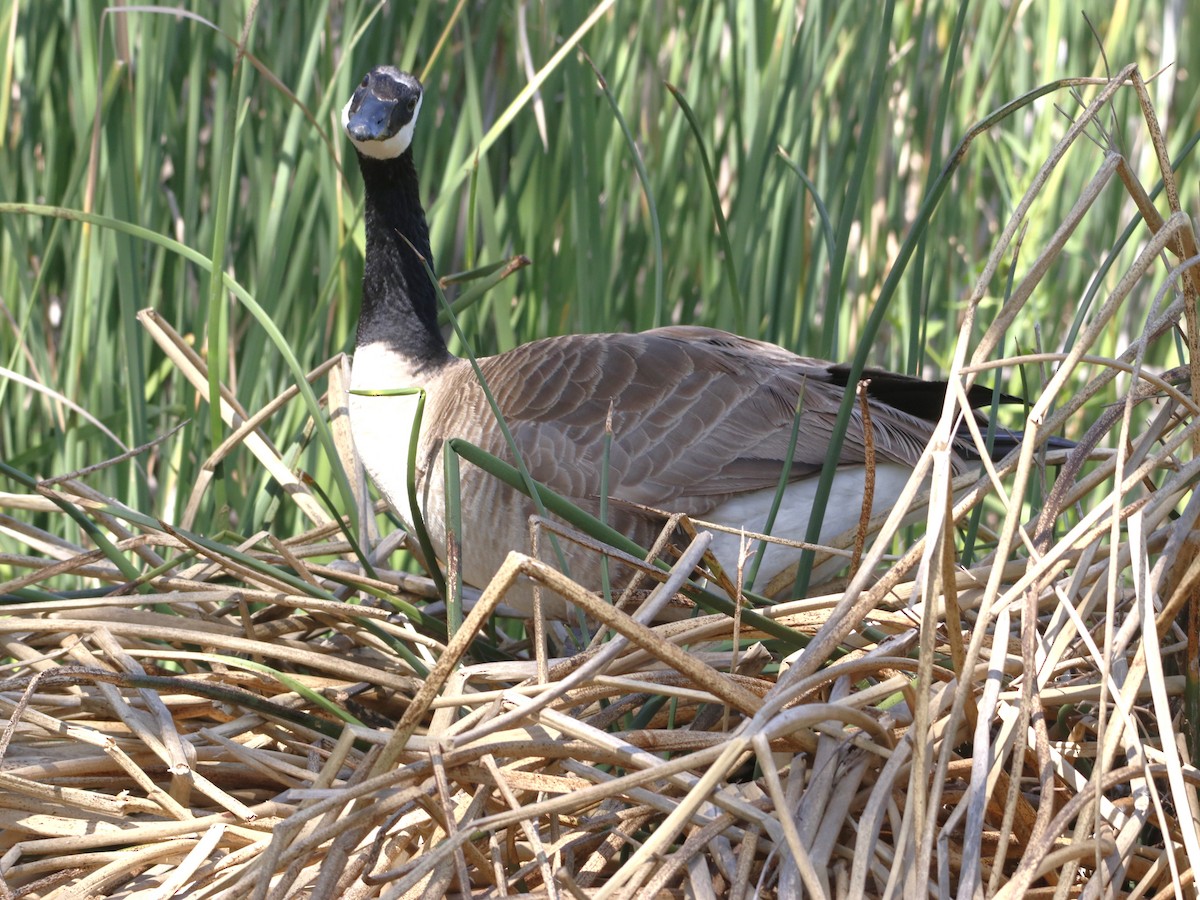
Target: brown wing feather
(697,414)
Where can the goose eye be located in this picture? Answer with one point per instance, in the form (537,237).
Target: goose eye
(412,103)
(366,78)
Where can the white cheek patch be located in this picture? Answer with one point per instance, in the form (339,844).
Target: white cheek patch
(386,149)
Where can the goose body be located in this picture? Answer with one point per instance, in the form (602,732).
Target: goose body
(701,419)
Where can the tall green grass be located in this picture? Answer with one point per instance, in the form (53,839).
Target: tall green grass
(824,124)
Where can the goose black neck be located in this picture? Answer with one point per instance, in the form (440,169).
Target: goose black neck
(399,304)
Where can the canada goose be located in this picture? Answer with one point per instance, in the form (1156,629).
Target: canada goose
(701,419)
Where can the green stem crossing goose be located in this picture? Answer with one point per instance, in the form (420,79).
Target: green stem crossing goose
(701,419)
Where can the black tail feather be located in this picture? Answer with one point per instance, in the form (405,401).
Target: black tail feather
(1007,440)
(915,396)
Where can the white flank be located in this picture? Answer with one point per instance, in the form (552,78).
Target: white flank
(749,511)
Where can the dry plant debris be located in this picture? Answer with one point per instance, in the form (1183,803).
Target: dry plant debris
(230,719)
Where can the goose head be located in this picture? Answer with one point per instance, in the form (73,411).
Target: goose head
(380,116)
